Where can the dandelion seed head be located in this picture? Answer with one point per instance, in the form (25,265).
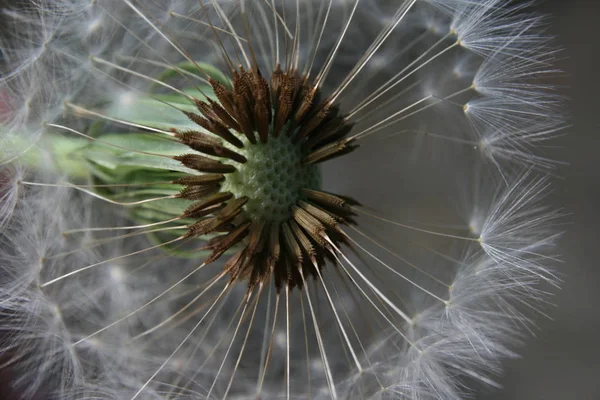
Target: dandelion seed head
(184,218)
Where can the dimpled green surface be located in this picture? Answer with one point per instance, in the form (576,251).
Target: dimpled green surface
(272,178)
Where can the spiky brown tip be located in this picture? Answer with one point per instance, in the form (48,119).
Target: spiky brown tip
(252,113)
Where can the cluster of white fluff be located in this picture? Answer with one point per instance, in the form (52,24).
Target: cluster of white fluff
(451,111)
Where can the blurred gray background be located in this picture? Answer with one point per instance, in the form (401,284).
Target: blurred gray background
(563,361)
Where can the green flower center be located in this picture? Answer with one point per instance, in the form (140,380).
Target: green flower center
(272,179)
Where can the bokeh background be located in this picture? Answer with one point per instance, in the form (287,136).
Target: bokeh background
(562,361)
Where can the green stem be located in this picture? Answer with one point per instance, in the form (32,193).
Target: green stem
(59,153)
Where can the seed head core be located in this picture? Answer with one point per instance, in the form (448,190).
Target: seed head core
(272,178)
(259,187)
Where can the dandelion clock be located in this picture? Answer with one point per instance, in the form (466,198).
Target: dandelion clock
(272,199)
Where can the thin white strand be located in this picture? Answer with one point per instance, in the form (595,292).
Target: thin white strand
(203,336)
(296,42)
(386,121)
(324,72)
(339,321)
(269,349)
(181,71)
(143,306)
(387,102)
(180,344)
(93,194)
(367,57)
(77,271)
(398,256)
(140,75)
(356,335)
(392,324)
(305,326)
(133,203)
(287,341)
(66,128)
(100,242)
(415,228)
(329,376)
(371,286)
(82,111)
(152,49)
(224,17)
(398,273)
(237,327)
(174,14)
(265,338)
(237,363)
(118,228)
(155,28)
(390,84)
(181,310)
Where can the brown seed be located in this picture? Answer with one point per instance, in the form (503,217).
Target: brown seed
(197,192)
(204,179)
(216,199)
(329,151)
(215,127)
(203,143)
(204,164)
(221,244)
